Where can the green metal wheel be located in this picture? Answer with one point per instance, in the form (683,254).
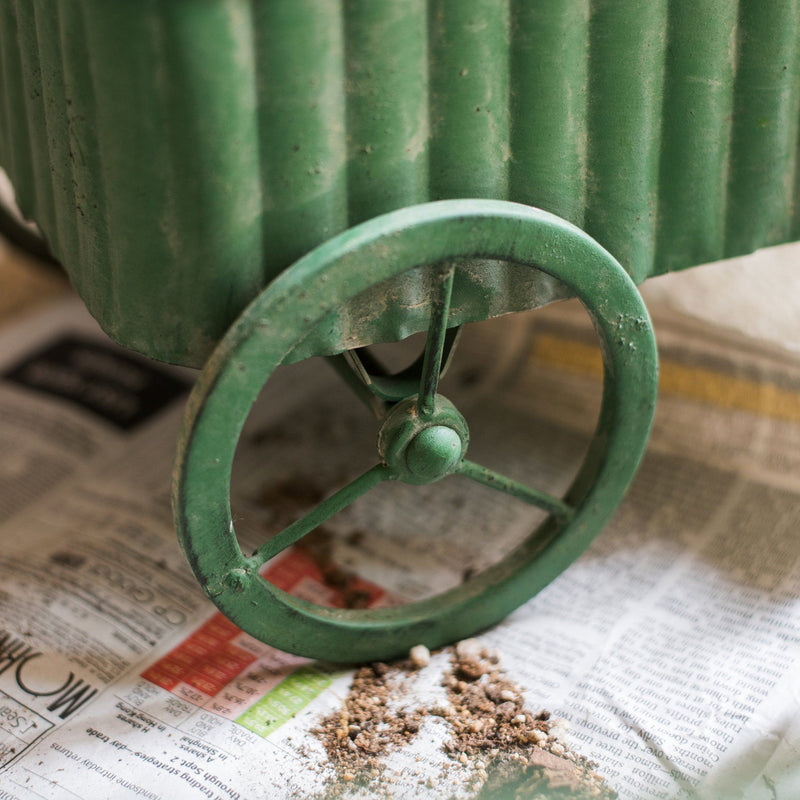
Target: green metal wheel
(422,437)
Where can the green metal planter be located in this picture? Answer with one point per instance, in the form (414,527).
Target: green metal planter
(246,183)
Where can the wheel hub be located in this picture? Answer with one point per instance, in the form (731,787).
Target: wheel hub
(433,452)
(419,448)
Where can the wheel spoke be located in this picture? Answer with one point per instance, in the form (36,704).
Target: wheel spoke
(375,386)
(324,511)
(437,334)
(394,388)
(495,480)
(350,368)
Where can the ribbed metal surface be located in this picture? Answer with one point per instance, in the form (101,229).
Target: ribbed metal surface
(179,154)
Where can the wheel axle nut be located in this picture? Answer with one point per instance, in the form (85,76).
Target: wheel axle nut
(433,452)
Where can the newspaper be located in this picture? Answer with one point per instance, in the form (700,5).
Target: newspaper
(671,647)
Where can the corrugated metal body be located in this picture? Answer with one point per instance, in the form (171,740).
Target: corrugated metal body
(178,155)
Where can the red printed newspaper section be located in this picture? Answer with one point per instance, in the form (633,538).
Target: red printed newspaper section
(221,669)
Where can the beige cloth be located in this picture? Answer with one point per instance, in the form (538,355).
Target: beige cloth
(757,295)
(25,283)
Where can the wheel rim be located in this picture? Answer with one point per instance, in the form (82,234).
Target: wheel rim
(299,299)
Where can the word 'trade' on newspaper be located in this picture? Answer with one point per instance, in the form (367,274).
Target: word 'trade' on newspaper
(671,646)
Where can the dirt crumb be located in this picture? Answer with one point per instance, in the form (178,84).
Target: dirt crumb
(368,726)
(497,748)
(512,751)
